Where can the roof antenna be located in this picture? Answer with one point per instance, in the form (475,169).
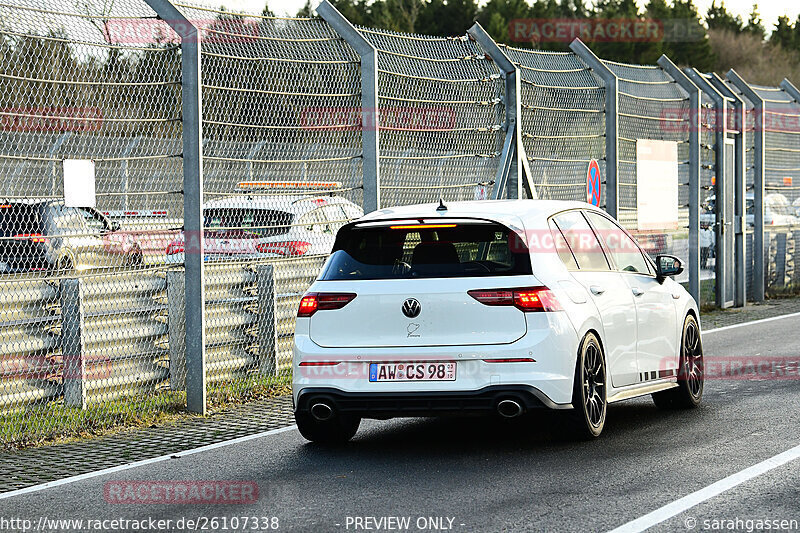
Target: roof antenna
(441,207)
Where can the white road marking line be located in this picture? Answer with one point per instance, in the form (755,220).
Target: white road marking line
(715,489)
(143,462)
(751,323)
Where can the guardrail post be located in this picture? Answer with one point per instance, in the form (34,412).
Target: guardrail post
(267,320)
(611,84)
(758,182)
(695,123)
(370,111)
(191,103)
(513,173)
(72,343)
(176,328)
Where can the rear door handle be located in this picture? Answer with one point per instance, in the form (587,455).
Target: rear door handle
(597,290)
(637,291)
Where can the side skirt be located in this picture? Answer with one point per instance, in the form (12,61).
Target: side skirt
(638,390)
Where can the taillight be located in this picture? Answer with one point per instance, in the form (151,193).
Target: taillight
(284,248)
(32,237)
(528,299)
(174,248)
(323,301)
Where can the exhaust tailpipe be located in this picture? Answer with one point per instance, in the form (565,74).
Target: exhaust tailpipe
(509,408)
(322,411)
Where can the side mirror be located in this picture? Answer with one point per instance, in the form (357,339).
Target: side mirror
(668,265)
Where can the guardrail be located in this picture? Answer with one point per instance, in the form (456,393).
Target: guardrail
(96,337)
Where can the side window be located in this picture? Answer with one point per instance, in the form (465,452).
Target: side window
(315,221)
(626,253)
(94,223)
(352,211)
(582,241)
(335,216)
(562,248)
(68,221)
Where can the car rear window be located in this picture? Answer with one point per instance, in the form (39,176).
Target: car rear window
(263,222)
(417,251)
(19,219)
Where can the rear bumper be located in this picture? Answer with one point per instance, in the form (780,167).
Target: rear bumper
(429,403)
(551,341)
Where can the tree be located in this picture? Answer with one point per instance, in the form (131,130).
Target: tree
(719,18)
(784,34)
(698,53)
(755,25)
(447,17)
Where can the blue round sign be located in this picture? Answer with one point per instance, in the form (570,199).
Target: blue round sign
(593,183)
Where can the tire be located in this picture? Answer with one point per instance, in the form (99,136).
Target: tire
(588,416)
(689,391)
(64,265)
(338,430)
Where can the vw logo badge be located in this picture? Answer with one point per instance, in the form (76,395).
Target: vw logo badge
(411,308)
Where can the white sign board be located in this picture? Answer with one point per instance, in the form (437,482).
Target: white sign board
(657,184)
(481,192)
(79,183)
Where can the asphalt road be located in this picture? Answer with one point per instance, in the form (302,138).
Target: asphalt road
(487,475)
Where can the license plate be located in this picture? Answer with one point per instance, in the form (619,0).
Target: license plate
(432,371)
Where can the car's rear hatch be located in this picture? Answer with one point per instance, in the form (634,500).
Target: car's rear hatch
(411,284)
(22,239)
(448,315)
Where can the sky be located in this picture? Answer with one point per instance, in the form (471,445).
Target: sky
(770,9)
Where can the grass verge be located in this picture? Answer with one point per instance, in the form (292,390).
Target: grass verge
(55,423)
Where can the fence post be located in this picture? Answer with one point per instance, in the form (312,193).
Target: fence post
(370,115)
(267,320)
(72,331)
(722,253)
(513,173)
(739,190)
(611,84)
(758,182)
(191,103)
(176,328)
(695,124)
(791,90)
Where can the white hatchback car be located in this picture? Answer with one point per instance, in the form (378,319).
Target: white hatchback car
(245,227)
(490,307)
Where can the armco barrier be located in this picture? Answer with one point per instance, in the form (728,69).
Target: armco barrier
(95,338)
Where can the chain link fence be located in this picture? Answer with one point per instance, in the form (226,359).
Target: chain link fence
(563,121)
(441,117)
(84,288)
(92,299)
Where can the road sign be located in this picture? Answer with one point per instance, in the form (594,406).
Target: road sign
(593,183)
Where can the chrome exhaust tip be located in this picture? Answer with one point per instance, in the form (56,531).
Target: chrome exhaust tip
(509,408)
(322,411)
